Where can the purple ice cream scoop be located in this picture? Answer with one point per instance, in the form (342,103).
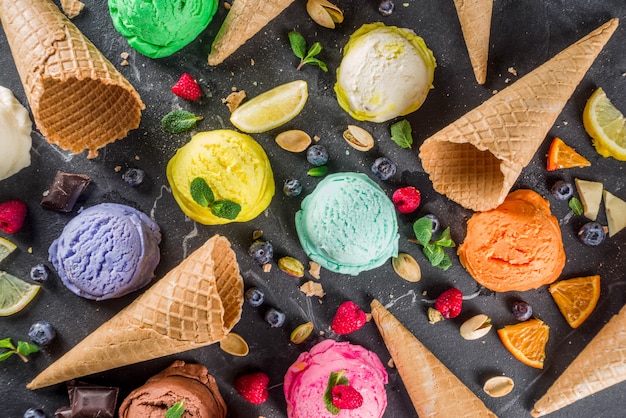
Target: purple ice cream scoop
(107,251)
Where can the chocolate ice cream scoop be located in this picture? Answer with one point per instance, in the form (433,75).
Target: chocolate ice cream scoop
(190,384)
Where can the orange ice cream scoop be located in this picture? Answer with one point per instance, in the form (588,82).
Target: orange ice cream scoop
(516,246)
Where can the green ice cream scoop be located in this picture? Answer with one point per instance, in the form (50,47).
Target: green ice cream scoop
(158,28)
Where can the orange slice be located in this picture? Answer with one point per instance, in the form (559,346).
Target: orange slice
(526,341)
(576,298)
(562,155)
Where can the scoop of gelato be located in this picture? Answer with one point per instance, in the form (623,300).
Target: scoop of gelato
(348,224)
(190,384)
(159,28)
(107,251)
(385,72)
(15,140)
(516,246)
(233,166)
(307,379)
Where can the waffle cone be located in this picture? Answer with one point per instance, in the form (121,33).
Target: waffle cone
(476,159)
(475,18)
(78,99)
(196,304)
(434,390)
(244,20)
(601,364)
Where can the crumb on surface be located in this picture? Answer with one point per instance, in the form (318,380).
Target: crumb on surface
(312,288)
(267,267)
(391,364)
(234,99)
(124,55)
(117,168)
(512,71)
(314,269)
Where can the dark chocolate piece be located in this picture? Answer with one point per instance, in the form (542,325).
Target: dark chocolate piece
(64,191)
(89,401)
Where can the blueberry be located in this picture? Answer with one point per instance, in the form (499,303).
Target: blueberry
(261,251)
(592,234)
(292,187)
(42,333)
(522,311)
(435,222)
(562,190)
(34,413)
(40,273)
(255,296)
(317,155)
(275,317)
(385,7)
(383,168)
(134,176)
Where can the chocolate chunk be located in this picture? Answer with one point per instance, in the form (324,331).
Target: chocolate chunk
(89,401)
(64,191)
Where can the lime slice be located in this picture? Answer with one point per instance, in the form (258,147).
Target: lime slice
(6,248)
(271,109)
(15,294)
(606,125)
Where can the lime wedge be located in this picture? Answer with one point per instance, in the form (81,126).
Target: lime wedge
(6,248)
(15,294)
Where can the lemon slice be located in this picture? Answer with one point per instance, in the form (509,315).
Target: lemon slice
(606,125)
(271,109)
(6,248)
(15,294)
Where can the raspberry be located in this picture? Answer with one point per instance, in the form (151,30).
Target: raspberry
(449,303)
(407,199)
(346,397)
(187,88)
(348,318)
(253,387)
(12,215)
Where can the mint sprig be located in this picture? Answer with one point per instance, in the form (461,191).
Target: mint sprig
(299,48)
(401,133)
(203,195)
(178,121)
(175,411)
(576,207)
(433,249)
(23,349)
(335,379)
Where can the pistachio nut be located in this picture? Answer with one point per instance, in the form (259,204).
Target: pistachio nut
(434,316)
(358,138)
(301,332)
(294,140)
(235,345)
(324,13)
(291,266)
(406,267)
(498,386)
(476,327)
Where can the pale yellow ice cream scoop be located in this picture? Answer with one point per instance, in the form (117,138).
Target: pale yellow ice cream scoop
(385,72)
(221,176)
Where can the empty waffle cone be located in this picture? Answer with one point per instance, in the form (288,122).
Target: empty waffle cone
(434,390)
(476,159)
(243,21)
(196,304)
(601,364)
(475,19)
(78,99)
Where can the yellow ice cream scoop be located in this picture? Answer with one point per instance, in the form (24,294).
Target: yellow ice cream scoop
(386,72)
(221,176)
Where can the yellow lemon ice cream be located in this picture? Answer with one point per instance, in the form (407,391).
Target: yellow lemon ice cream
(386,72)
(221,176)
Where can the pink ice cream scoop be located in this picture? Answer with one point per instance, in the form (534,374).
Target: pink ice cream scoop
(307,379)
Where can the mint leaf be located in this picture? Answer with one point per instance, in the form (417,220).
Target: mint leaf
(319,63)
(23,349)
(26,348)
(315,49)
(178,121)
(318,171)
(335,379)
(434,253)
(6,343)
(401,134)
(298,44)
(201,193)
(445,239)
(175,411)
(225,209)
(575,205)
(423,230)
(445,263)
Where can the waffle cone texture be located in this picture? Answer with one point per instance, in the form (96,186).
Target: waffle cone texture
(475,19)
(78,99)
(601,364)
(475,160)
(196,304)
(244,19)
(434,390)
